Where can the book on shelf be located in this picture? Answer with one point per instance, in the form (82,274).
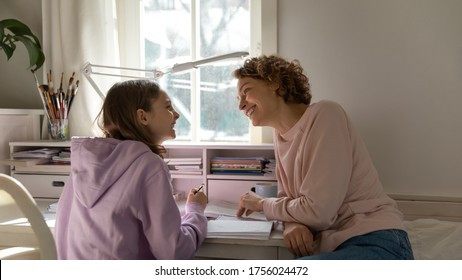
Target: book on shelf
(237,171)
(37,153)
(235,166)
(183,161)
(238,165)
(227,159)
(186,172)
(61,159)
(184,166)
(65,153)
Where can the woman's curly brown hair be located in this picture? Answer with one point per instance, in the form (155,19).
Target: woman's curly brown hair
(294,86)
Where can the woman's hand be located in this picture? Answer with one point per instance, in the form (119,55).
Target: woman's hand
(197,196)
(249,203)
(298,239)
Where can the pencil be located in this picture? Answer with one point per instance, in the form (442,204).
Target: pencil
(200,188)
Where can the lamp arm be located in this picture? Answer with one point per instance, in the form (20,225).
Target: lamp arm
(180,67)
(87,69)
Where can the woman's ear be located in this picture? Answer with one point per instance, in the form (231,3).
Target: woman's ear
(274,86)
(142,116)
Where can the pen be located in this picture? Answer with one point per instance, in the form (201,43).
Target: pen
(200,188)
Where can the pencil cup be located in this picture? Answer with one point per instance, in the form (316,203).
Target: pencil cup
(58,129)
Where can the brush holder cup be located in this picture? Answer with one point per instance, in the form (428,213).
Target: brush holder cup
(58,129)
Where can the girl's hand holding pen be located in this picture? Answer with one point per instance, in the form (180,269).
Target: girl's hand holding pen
(198,189)
(195,195)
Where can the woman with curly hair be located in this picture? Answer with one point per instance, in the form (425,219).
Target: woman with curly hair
(330,198)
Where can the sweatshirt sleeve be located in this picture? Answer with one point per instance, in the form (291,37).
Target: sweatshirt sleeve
(170,236)
(323,166)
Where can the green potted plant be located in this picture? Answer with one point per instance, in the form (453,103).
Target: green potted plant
(13,31)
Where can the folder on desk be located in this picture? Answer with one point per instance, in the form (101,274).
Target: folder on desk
(236,228)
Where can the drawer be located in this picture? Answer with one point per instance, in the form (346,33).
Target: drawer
(43,185)
(229,190)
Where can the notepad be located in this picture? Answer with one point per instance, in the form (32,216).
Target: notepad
(230,228)
(226,208)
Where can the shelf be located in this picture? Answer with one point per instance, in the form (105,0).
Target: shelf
(187,176)
(46,181)
(41,143)
(240,177)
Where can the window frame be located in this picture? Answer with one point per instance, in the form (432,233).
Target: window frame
(263,40)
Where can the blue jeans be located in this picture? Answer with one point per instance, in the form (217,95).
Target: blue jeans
(392,244)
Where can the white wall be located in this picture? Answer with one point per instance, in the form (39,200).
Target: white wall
(396,67)
(18,88)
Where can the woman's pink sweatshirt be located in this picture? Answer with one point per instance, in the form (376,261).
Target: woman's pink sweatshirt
(328,181)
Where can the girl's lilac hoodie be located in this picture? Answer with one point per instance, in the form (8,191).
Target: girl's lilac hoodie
(118,204)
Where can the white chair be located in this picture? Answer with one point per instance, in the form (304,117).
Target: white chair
(31,239)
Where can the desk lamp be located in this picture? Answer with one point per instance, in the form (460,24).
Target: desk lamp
(89,69)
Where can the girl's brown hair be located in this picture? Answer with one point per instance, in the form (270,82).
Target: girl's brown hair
(293,84)
(118,118)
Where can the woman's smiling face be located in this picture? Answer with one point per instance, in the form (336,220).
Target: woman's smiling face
(257,100)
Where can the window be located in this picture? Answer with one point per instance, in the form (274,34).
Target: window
(176,31)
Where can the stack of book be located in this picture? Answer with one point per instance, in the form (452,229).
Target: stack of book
(46,153)
(238,165)
(185,166)
(64,156)
(42,160)
(270,168)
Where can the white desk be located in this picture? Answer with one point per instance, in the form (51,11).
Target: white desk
(212,248)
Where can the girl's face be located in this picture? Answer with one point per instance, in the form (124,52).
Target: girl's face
(257,100)
(160,121)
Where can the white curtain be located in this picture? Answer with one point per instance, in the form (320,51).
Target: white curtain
(76,32)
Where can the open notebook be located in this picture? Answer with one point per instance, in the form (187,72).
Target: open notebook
(226,227)
(225,224)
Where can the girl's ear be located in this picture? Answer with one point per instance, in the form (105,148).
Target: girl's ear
(142,116)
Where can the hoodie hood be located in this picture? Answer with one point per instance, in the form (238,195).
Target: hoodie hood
(97,163)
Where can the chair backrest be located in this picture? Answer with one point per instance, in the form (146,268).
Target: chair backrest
(14,196)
